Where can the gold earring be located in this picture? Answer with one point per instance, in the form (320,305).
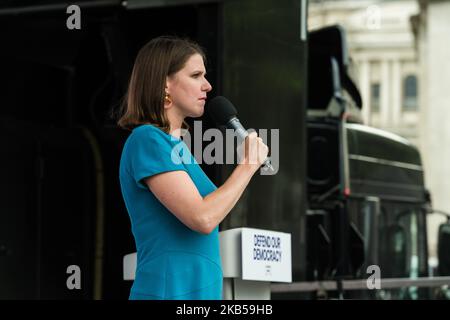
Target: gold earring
(167,98)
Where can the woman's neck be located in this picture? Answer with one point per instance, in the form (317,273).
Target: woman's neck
(176,121)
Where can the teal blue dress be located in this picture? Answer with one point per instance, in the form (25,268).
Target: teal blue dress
(173,261)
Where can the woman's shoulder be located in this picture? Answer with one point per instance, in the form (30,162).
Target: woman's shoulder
(144,129)
(148,131)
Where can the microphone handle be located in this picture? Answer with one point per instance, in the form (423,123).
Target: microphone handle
(241,133)
(236,125)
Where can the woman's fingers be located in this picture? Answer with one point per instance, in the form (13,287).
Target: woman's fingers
(255,150)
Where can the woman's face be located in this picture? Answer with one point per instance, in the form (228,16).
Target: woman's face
(188,87)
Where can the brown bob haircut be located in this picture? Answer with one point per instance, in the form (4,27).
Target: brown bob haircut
(144,100)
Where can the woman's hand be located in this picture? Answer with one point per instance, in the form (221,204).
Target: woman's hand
(255,151)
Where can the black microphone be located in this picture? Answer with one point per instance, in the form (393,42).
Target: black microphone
(224,113)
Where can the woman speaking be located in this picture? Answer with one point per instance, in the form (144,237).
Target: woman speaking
(173,206)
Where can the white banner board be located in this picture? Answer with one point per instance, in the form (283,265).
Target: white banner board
(266,255)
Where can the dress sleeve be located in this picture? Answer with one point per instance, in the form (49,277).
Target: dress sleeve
(153,153)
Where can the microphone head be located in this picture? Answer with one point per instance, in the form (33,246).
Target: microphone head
(221,110)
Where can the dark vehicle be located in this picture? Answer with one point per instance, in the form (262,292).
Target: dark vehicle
(366,193)
(351,196)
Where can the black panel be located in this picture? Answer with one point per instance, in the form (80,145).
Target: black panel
(48,211)
(264,67)
(118,238)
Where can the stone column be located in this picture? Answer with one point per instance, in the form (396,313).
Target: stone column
(385,88)
(364,86)
(436,140)
(396,94)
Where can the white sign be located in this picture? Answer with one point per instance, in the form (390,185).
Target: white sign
(266,255)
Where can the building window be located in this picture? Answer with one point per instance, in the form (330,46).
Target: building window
(375,97)
(410,93)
